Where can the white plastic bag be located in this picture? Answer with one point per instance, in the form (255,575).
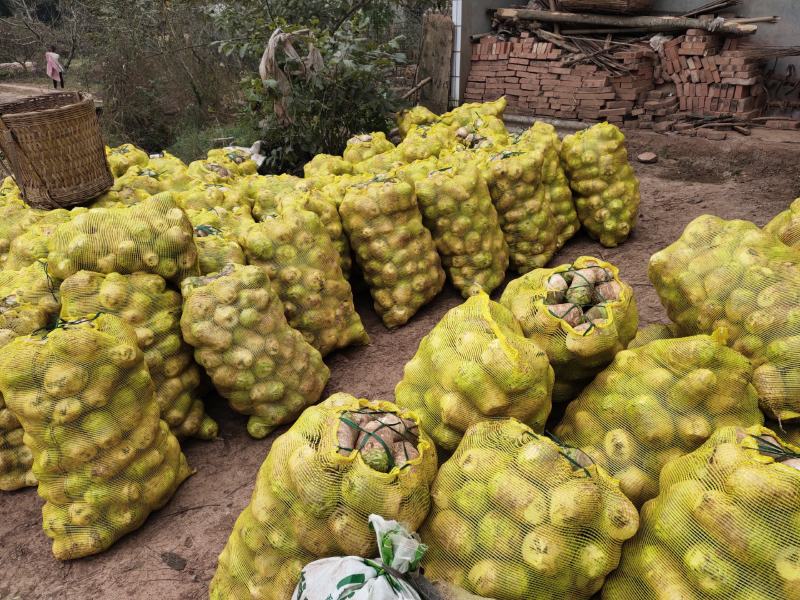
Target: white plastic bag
(356,578)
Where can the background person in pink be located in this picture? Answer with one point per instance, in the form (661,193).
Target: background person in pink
(55,70)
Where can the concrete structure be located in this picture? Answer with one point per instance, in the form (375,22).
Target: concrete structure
(470,17)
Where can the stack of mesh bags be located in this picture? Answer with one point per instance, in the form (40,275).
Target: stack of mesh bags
(218,233)
(341,461)
(581,314)
(123,157)
(724,525)
(30,246)
(103,458)
(263,367)
(476,365)
(731,275)
(15,219)
(656,403)
(145,303)
(786,225)
(516,516)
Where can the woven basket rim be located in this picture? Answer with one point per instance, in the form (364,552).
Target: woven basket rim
(77,99)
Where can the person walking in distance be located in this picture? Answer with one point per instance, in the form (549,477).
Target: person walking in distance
(55,70)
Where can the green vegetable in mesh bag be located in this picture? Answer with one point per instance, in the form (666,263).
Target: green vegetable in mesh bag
(411,117)
(458,211)
(516,516)
(724,524)
(381,163)
(143,301)
(10,194)
(238,161)
(394,250)
(606,188)
(265,192)
(208,196)
(466,113)
(30,246)
(342,461)
(335,188)
(731,275)
(210,171)
(651,333)
(263,367)
(154,236)
(218,233)
(483,132)
(103,458)
(786,225)
(326,164)
(303,266)
(475,365)
(580,314)
(29,302)
(424,141)
(15,220)
(656,403)
(366,145)
(123,157)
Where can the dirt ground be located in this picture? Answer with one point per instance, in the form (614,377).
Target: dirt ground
(173,556)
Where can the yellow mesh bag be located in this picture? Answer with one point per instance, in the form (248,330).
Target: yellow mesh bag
(789,432)
(473,366)
(103,458)
(208,196)
(31,246)
(303,266)
(142,178)
(263,367)
(786,225)
(315,492)
(580,314)
(143,301)
(418,170)
(516,516)
(15,220)
(117,198)
(724,525)
(265,192)
(409,118)
(366,145)
(10,193)
(380,163)
(458,211)
(732,275)
(236,160)
(154,236)
(122,158)
(606,188)
(335,188)
(394,250)
(218,233)
(651,333)
(170,170)
(465,114)
(424,141)
(326,164)
(483,132)
(658,402)
(211,171)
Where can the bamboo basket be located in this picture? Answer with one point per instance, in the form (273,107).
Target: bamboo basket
(622,7)
(54,148)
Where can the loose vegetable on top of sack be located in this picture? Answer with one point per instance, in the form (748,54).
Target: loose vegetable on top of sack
(394,250)
(516,517)
(734,276)
(303,266)
(154,236)
(724,525)
(143,301)
(457,210)
(786,225)
(342,461)
(580,314)
(103,458)
(476,365)
(606,188)
(656,403)
(263,367)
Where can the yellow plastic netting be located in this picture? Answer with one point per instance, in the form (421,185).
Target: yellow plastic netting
(651,333)
(143,301)
(656,403)
(606,188)
(365,146)
(154,236)
(394,250)
(734,276)
(218,234)
(517,517)
(10,194)
(31,245)
(724,525)
(263,367)
(15,220)
(458,211)
(103,458)
(580,314)
(326,164)
(786,225)
(211,171)
(424,141)
(411,117)
(208,196)
(475,365)
(315,491)
(303,266)
(236,160)
(466,113)
(122,158)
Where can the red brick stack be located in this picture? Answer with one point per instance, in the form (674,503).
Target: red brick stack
(713,77)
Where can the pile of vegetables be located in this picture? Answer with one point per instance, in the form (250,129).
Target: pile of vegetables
(341,461)
(581,314)
(606,189)
(473,366)
(217,235)
(724,524)
(103,458)
(786,225)
(262,366)
(515,516)
(656,403)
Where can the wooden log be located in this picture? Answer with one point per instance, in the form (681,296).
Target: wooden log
(645,23)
